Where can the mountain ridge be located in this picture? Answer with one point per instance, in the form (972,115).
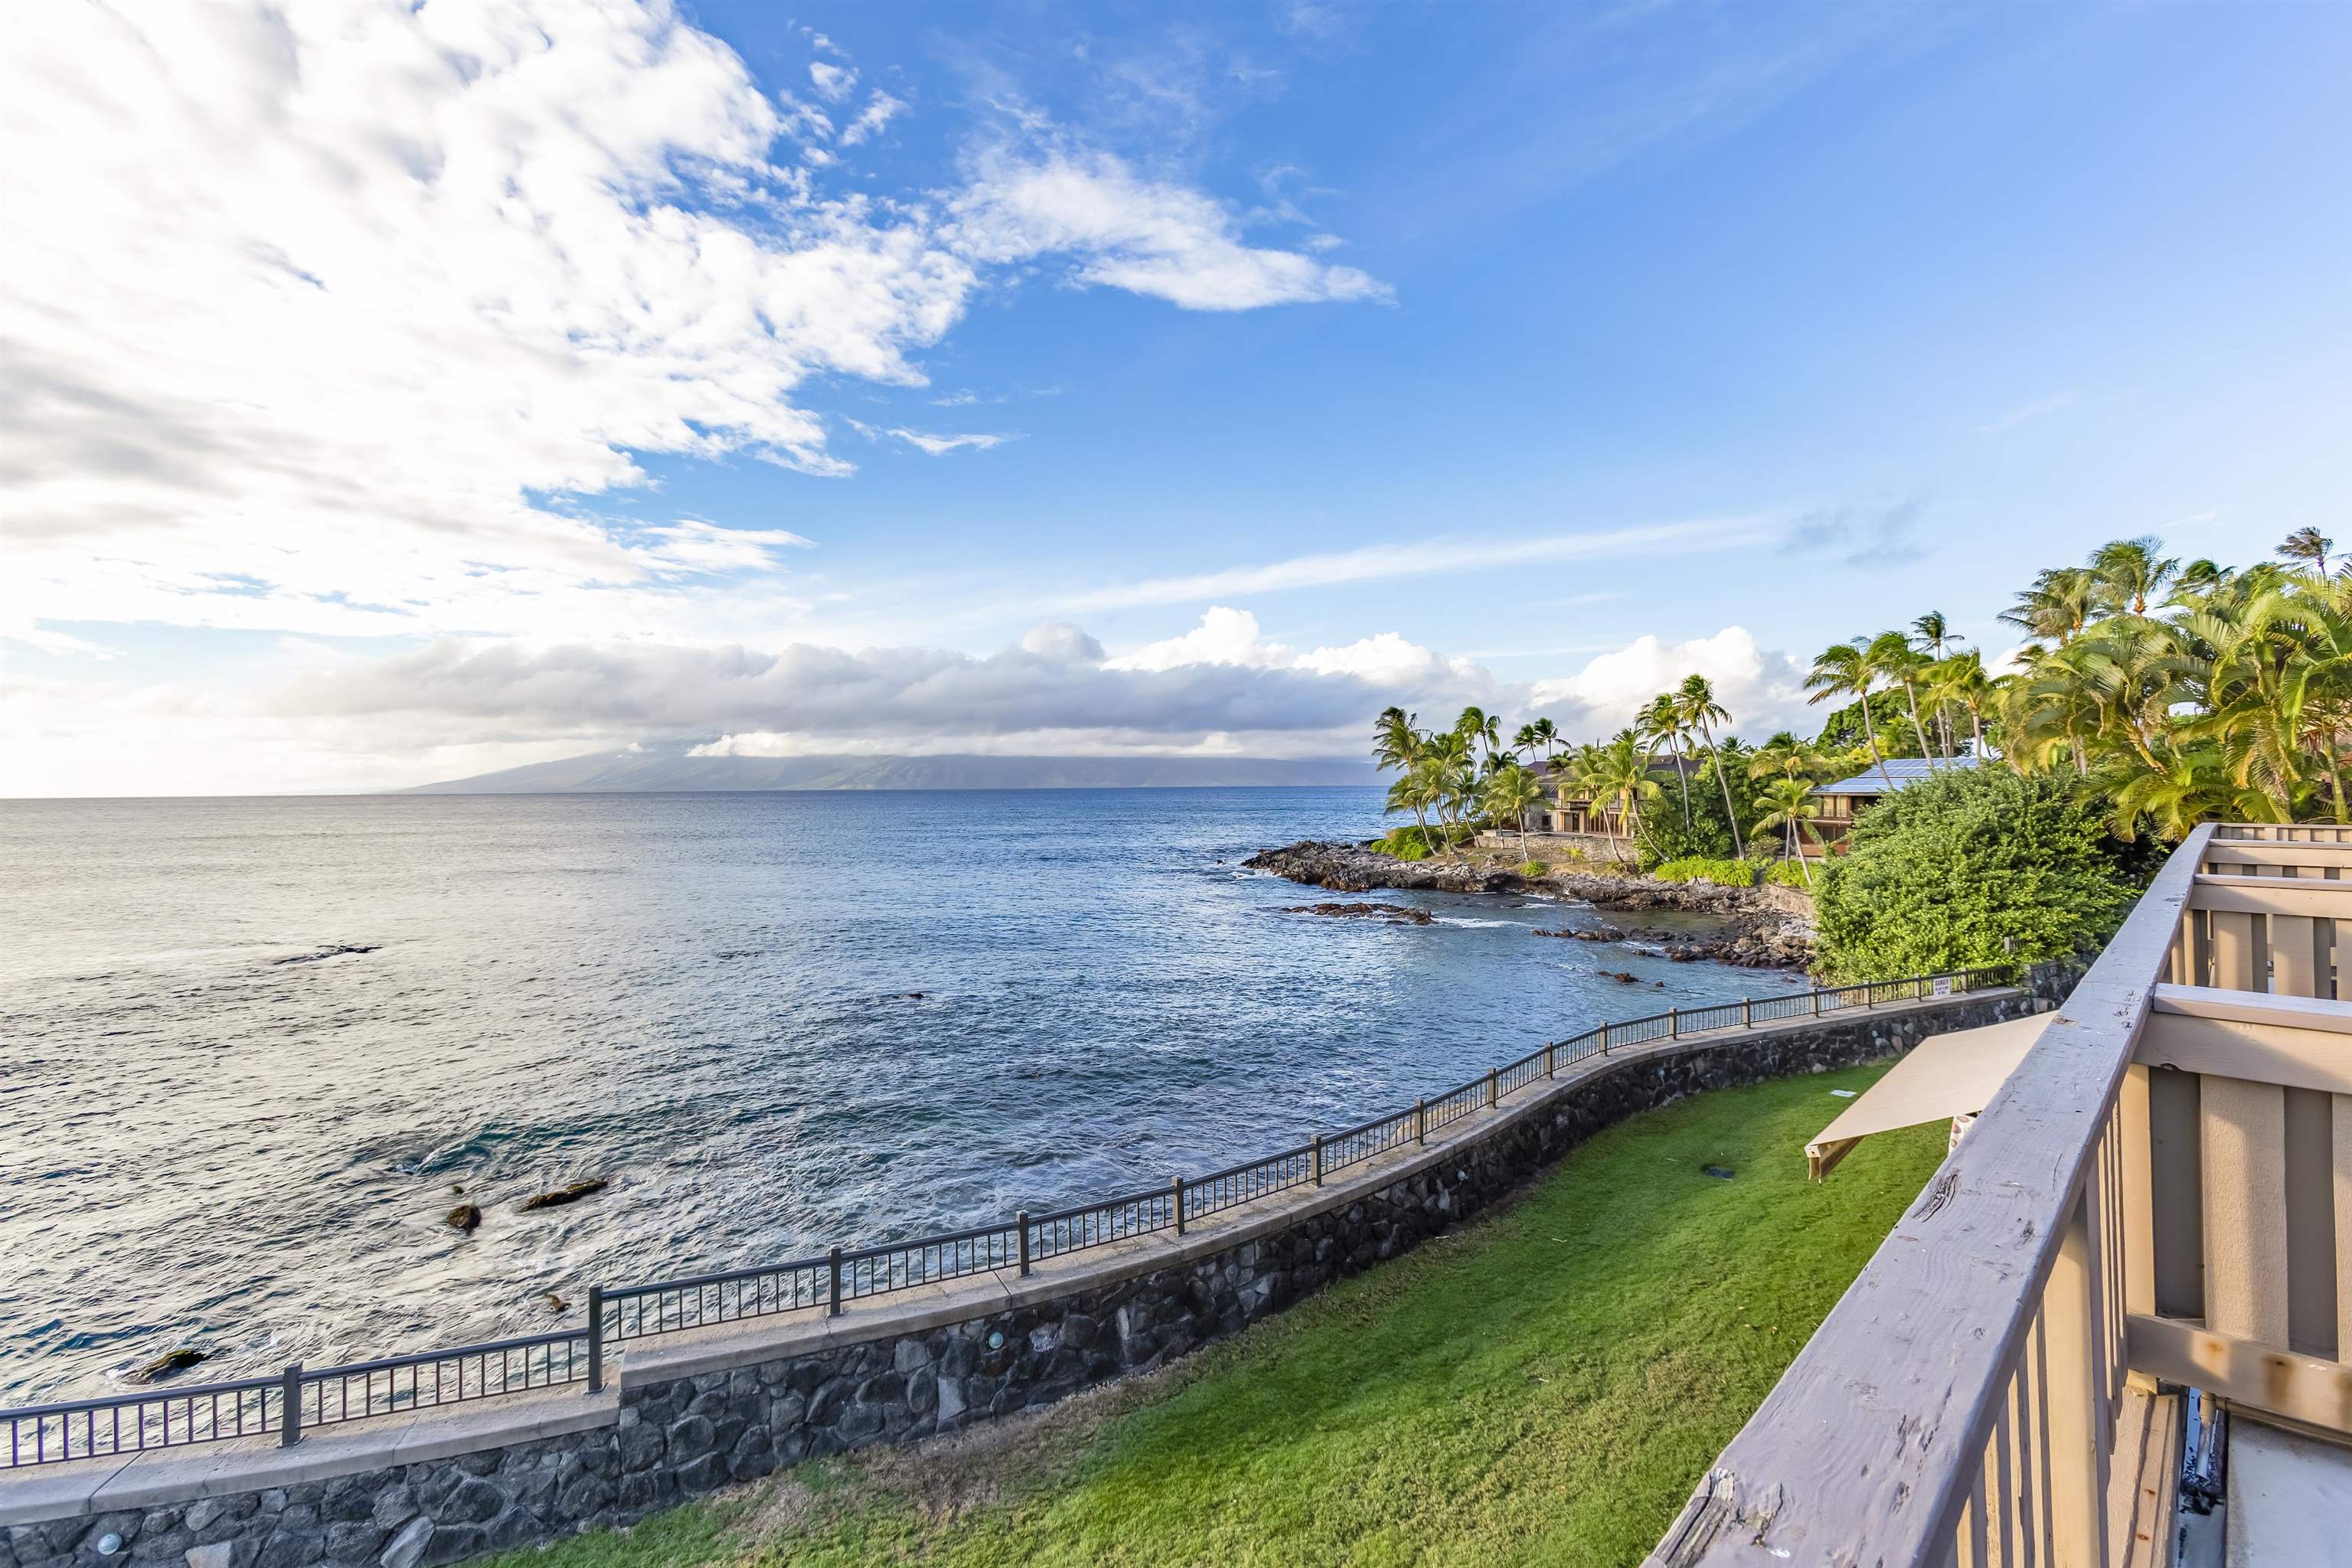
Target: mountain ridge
(668,772)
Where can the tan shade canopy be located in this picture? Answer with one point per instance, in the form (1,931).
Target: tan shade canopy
(1945,1075)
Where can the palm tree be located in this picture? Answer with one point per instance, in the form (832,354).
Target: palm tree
(2059,605)
(2131,572)
(1660,723)
(1512,792)
(1891,658)
(1395,743)
(2308,544)
(1616,776)
(1481,729)
(1960,680)
(1546,736)
(1934,636)
(1525,742)
(1787,756)
(1841,670)
(1695,702)
(1789,804)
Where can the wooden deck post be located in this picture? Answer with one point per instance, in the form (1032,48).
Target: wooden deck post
(2077,1428)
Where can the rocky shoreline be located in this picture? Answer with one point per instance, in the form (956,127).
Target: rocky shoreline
(1749,934)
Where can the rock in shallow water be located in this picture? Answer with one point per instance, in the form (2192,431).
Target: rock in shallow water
(1394,914)
(561,1195)
(171,1362)
(465,1216)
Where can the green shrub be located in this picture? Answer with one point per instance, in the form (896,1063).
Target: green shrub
(1702,869)
(1535,869)
(1411,844)
(1789,874)
(1970,867)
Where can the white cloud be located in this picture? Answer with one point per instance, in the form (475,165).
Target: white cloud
(939,446)
(833,82)
(1763,690)
(329,318)
(1133,233)
(1231,637)
(1415,558)
(879,111)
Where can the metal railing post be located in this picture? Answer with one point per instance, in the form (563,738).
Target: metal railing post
(1605,1037)
(1021,1219)
(1421,1120)
(596,1339)
(1747,1012)
(1552,1059)
(833,1285)
(1176,1187)
(1673,1023)
(1817,1001)
(289,1404)
(1318,1146)
(1494,1096)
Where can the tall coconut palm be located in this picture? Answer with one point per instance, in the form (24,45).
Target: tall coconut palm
(1524,743)
(1660,724)
(1839,670)
(1510,793)
(1481,729)
(1789,805)
(2130,573)
(1960,682)
(1450,777)
(1616,778)
(1694,701)
(1893,659)
(2308,544)
(1395,743)
(1546,736)
(2059,604)
(1933,636)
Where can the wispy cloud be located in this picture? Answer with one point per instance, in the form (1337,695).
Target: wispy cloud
(1444,555)
(1863,536)
(941,446)
(2027,413)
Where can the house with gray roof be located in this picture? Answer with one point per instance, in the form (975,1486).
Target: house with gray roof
(1840,803)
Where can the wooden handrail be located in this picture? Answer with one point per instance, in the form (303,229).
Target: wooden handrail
(1998,1294)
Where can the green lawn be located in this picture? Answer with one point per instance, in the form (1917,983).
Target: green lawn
(1544,1388)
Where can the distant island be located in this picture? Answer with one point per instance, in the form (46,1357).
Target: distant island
(651,771)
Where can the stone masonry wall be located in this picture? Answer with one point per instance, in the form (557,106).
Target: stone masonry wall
(678,1439)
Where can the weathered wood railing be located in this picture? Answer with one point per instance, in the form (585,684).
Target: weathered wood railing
(2161,1191)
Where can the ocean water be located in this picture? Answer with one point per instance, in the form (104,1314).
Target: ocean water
(772,1022)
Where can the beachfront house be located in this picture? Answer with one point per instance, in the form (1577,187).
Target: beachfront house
(1574,813)
(1842,801)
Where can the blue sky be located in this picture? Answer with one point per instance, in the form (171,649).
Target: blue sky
(1521,355)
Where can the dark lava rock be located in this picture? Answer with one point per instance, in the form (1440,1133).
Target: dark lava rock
(561,1195)
(555,1303)
(171,1362)
(1357,869)
(1395,914)
(465,1216)
(1623,977)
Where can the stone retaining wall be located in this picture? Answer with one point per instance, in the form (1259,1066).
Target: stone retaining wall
(693,1415)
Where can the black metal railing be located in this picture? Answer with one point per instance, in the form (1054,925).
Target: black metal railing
(295,1399)
(124,1425)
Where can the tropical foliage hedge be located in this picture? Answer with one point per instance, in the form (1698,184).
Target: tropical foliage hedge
(1971,868)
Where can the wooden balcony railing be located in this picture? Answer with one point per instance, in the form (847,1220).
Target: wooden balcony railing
(2162,1191)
